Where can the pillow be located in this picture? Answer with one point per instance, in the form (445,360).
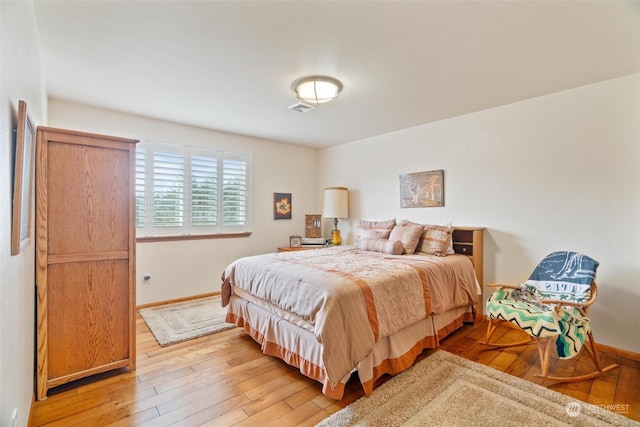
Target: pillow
(409,234)
(435,240)
(449,250)
(373,229)
(385,246)
(374,234)
(405,222)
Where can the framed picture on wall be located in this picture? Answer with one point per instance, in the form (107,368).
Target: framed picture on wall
(422,189)
(22,182)
(282,206)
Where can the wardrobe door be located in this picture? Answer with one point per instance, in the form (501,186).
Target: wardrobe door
(85,258)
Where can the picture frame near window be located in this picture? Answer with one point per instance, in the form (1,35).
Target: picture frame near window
(22,180)
(282,206)
(422,189)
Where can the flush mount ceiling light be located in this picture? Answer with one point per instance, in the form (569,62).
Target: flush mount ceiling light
(317,89)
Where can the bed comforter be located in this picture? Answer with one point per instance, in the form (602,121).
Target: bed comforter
(348,298)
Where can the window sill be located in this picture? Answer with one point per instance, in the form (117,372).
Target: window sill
(177,238)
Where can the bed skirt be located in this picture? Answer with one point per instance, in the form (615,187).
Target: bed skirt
(300,348)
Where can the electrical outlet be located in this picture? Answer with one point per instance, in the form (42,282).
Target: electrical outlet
(14,418)
(147,278)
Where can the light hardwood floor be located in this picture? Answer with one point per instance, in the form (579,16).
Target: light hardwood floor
(224,379)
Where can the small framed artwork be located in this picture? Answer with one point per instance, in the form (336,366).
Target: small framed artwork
(422,189)
(282,206)
(295,241)
(313,225)
(22,182)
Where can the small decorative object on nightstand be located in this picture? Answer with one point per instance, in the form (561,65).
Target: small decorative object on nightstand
(313,226)
(295,241)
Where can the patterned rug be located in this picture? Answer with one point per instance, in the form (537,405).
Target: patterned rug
(182,321)
(447,390)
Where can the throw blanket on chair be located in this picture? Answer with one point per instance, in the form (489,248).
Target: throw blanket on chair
(562,276)
(541,320)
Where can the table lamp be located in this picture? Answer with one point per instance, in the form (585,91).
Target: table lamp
(336,205)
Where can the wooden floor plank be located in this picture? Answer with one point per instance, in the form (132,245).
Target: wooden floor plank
(230,418)
(296,416)
(68,408)
(627,391)
(266,415)
(101,415)
(224,379)
(201,411)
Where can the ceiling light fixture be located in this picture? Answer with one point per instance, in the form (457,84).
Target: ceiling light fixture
(317,89)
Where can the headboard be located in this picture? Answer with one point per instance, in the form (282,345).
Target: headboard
(469,241)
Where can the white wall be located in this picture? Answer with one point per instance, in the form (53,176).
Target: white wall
(20,79)
(559,172)
(194,267)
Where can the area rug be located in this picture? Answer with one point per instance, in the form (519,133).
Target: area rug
(447,390)
(181,321)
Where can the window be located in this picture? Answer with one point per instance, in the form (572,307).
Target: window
(186,190)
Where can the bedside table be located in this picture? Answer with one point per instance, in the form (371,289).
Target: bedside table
(301,248)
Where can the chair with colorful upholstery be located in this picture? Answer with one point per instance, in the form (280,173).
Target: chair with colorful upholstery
(551,307)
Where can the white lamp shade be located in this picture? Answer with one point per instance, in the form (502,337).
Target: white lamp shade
(336,202)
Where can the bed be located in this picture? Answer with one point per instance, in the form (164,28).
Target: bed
(334,311)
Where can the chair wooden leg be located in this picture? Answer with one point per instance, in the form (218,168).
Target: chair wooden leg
(591,348)
(491,328)
(544,350)
(593,352)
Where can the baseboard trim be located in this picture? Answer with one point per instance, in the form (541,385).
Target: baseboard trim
(619,352)
(171,301)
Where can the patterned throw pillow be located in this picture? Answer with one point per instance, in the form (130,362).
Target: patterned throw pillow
(409,234)
(435,240)
(429,232)
(385,246)
(368,229)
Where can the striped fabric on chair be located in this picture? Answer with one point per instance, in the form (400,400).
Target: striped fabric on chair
(561,276)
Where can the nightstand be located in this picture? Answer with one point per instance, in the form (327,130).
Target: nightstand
(300,248)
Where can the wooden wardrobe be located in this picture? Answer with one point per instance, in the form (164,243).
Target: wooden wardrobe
(85,255)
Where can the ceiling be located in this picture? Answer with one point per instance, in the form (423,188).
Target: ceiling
(229,65)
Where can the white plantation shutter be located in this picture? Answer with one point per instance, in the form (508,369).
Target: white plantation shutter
(204,189)
(183,190)
(235,190)
(168,187)
(141,199)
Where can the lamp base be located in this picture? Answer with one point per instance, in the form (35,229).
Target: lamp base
(336,240)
